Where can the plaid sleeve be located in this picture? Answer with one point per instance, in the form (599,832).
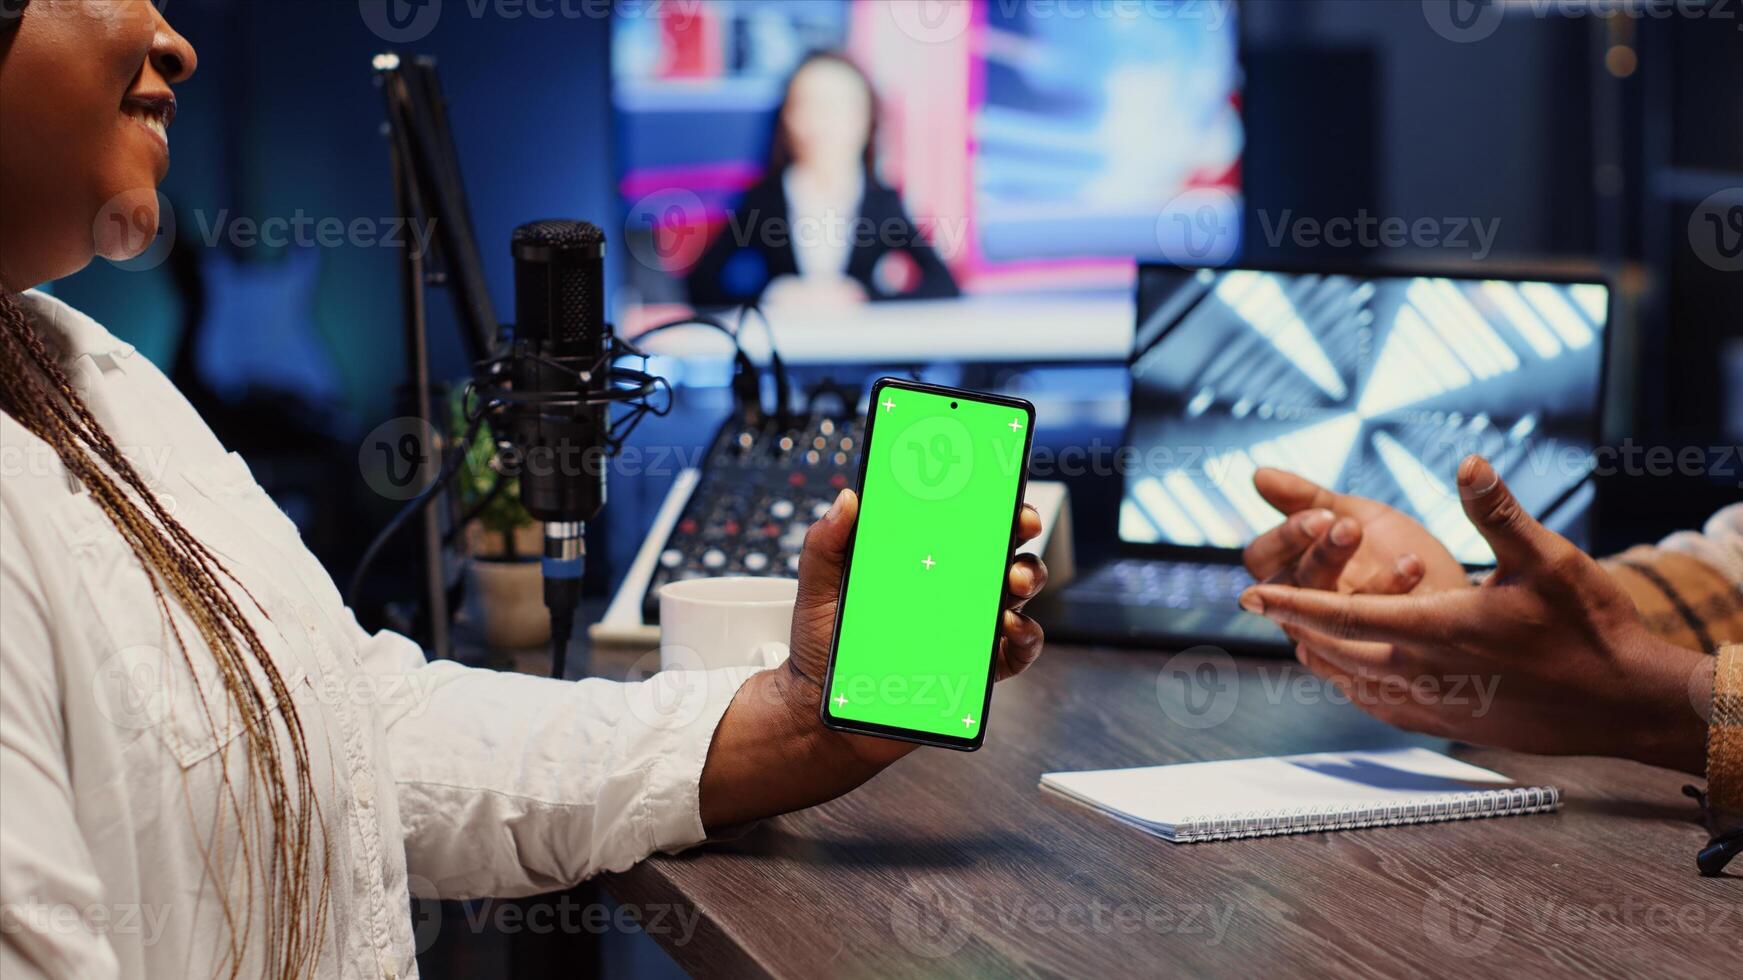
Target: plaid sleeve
(1689,590)
(1681,598)
(1725,744)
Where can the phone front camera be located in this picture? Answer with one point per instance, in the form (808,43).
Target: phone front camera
(952,404)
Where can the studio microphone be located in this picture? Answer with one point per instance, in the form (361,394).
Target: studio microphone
(561,338)
(558,419)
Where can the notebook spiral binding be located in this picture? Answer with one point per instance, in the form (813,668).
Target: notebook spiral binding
(1468,806)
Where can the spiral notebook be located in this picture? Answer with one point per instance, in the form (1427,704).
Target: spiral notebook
(1297,794)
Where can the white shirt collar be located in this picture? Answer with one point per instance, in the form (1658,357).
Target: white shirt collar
(79,335)
(803,199)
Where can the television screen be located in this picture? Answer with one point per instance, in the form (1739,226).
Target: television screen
(993,168)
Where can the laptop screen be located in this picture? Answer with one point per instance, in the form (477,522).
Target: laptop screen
(1369,384)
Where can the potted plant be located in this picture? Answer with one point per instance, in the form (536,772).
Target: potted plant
(503,543)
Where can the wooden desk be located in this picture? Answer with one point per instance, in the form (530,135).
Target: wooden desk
(955,864)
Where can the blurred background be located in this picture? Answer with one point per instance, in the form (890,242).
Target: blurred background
(1032,154)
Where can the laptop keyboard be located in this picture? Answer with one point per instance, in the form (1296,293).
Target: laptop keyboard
(1152,582)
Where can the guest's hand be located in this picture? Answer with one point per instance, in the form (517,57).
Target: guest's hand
(1345,543)
(1549,655)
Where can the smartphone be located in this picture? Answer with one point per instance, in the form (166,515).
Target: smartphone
(941,478)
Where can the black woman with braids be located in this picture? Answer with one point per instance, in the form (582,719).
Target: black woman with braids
(207,768)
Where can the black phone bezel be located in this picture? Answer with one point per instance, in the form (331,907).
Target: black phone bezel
(906,734)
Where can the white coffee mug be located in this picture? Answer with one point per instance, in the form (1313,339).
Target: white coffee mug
(725,622)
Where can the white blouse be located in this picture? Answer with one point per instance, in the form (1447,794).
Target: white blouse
(432,778)
(822,226)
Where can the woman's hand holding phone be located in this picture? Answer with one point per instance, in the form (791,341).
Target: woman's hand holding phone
(771,753)
(814,612)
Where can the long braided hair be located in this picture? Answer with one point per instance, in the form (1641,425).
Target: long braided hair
(292,863)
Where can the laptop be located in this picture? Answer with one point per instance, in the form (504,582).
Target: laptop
(1374,383)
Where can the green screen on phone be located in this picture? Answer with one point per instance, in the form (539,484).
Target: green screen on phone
(921,607)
